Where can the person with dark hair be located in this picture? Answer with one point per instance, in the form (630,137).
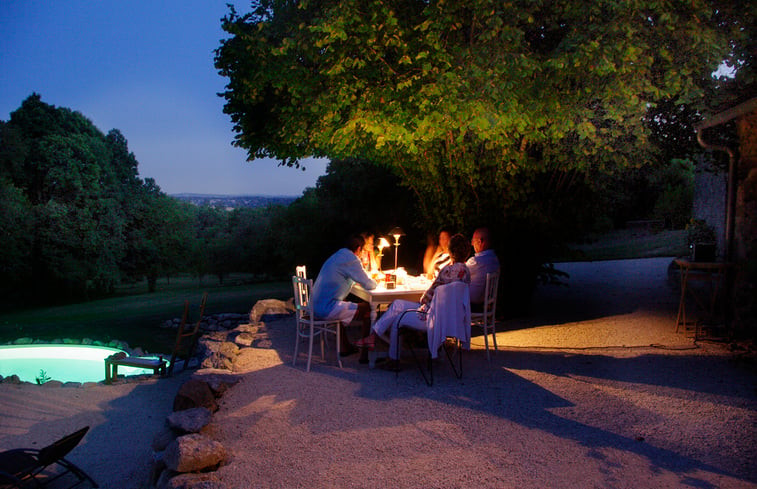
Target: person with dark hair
(437,257)
(368,255)
(484,261)
(340,271)
(456,270)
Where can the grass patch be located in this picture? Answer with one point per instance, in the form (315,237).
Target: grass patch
(628,244)
(134,317)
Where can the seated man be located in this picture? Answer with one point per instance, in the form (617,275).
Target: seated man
(483,262)
(339,272)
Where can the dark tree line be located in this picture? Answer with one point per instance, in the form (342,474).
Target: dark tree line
(76,220)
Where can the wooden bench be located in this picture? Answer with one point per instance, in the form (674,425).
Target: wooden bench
(158,365)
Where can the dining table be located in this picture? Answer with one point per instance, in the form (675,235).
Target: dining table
(712,273)
(409,288)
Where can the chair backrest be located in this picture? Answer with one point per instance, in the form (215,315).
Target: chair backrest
(449,315)
(59,449)
(301,271)
(302,290)
(490,294)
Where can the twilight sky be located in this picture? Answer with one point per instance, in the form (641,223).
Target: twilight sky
(144,67)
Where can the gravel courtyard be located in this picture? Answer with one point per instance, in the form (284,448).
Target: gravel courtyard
(594,389)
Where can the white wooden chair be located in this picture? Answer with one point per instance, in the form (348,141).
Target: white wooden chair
(486,318)
(309,327)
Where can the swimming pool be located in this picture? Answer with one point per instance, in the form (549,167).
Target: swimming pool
(66,363)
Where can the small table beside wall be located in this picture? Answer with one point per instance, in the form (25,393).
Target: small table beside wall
(712,272)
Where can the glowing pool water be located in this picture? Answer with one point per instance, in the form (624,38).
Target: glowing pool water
(66,363)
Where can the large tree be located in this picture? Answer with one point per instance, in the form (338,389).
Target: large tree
(501,112)
(460,97)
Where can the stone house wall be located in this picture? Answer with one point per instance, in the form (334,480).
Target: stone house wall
(710,187)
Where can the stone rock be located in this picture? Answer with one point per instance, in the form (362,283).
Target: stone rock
(193,452)
(196,481)
(217,361)
(244,339)
(158,467)
(190,420)
(118,356)
(248,328)
(263,343)
(270,307)
(220,383)
(229,349)
(165,477)
(194,393)
(52,383)
(218,354)
(162,438)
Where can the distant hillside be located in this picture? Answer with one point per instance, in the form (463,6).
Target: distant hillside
(234,201)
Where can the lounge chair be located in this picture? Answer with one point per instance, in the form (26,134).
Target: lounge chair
(29,467)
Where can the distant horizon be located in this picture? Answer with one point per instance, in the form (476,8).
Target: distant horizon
(201,194)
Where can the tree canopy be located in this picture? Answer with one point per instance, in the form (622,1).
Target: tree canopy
(472,104)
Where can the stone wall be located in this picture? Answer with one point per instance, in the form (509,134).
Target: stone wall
(710,184)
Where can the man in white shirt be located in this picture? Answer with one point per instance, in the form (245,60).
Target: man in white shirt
(340,271)
(483,262)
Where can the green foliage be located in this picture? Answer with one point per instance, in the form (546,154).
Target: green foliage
(42,377)
(16,226)
(698,231)
(675,186)
(214,248)
(488,112)
(352,197)
(76,219)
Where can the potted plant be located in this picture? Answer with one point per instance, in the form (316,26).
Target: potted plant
(701,239)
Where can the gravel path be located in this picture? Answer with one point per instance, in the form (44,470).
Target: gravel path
(593,390)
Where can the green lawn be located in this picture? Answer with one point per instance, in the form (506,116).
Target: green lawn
(135,317)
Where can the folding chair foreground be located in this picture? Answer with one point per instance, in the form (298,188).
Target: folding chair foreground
(29,467)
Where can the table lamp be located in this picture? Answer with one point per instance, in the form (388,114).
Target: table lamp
(396,232)
(383,243)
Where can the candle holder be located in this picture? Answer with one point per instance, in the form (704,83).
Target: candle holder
(396,232)
(383,243)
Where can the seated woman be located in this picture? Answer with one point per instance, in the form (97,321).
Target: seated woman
(437,256)
(459,248)
(368,255)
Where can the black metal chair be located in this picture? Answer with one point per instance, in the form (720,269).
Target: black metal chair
(29,467)
(448,316)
